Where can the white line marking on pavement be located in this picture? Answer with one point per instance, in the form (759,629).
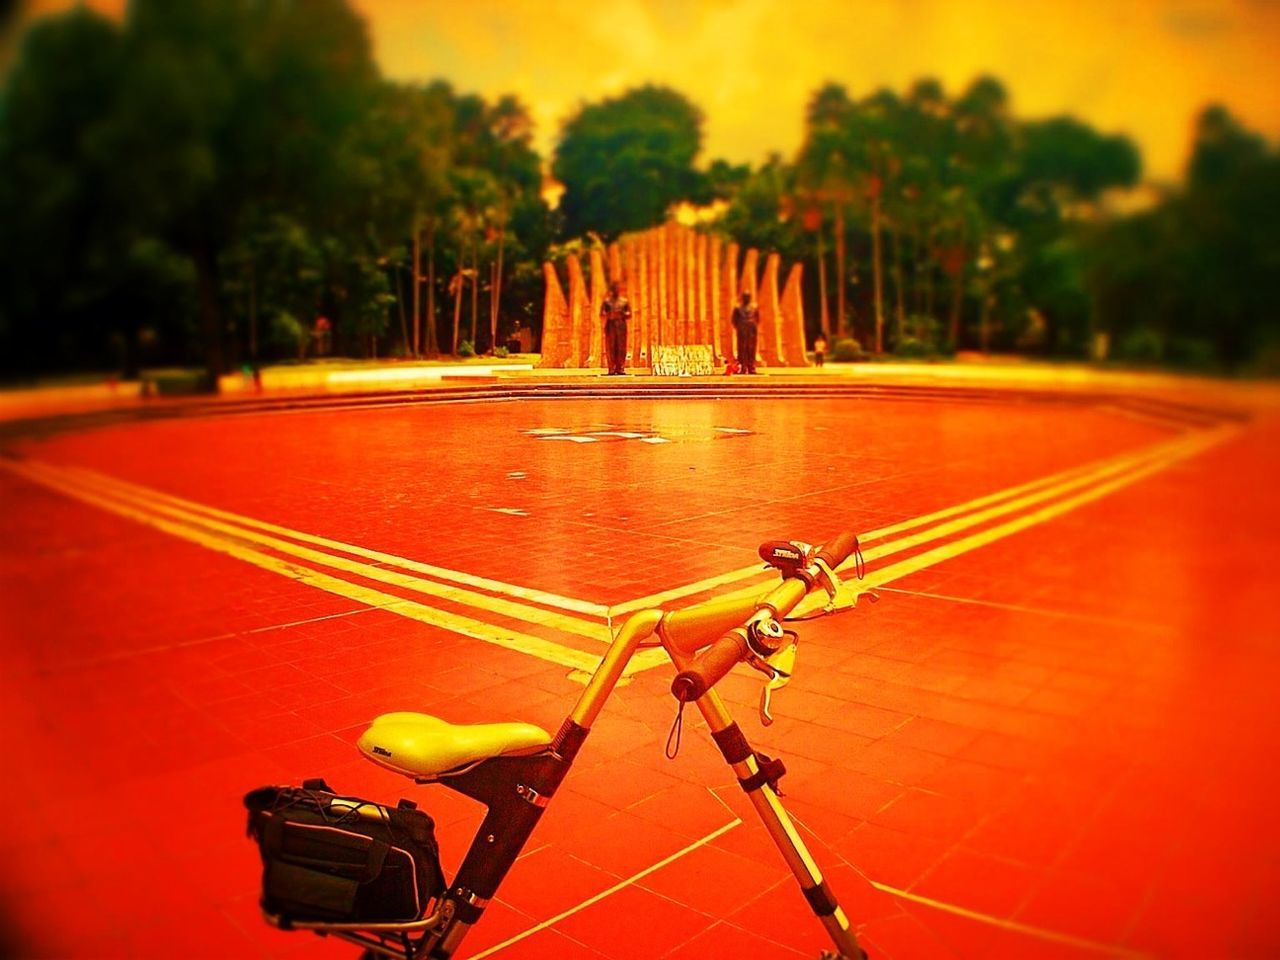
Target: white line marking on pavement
(620,885)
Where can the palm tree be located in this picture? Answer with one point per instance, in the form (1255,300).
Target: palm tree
(825,177)
(871,137)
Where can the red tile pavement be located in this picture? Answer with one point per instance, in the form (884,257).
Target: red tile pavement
(438,471)
(625,927)
(978,882)
(724,941)
(1068,731)
(903,937)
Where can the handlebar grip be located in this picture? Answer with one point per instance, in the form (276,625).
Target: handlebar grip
(710,666)
(837,551)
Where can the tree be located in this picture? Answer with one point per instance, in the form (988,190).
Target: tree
(206,90)
(63,231)
(626,160)
(825,175)
(871,130)
(762,212)
(1063,168)
(1193,278)
(408,144)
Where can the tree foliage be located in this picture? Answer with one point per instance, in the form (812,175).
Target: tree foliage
(1193,279)
(626,160)
(200,182)
(951,208)
(173,185)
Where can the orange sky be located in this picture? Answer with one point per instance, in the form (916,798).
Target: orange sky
(1142,67)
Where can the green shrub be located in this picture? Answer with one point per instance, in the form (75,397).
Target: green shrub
(846,350)
(1192,353)
(914,347)
(287,332)
(466,349)
(1141,345)
(923,336)
(500,352)
(177,383)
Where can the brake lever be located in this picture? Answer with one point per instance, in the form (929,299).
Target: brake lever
(778,668)
(830,582)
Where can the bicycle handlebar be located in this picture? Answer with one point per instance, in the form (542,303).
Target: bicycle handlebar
(838,550)
(710,666)
(714,663)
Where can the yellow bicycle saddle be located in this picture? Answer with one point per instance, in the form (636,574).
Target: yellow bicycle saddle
(425,747)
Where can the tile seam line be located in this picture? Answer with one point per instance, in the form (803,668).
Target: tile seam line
(743,573)
(1022,608)
(608,892)
(958,547)
(568,657)
(1010,500)
(456,576)
(1023,521)
(1041,933)
(607,614)
(1038,933)
(500,606)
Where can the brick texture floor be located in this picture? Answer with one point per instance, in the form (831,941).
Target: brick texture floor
(1058,744)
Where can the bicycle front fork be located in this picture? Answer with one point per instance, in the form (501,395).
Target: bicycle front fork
(758,777)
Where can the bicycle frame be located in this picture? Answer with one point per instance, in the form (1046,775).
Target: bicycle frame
(516,789)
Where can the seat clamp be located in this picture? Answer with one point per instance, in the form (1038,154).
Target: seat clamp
(470,898)
(530,795)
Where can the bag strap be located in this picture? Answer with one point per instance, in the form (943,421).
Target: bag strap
(377,858)
(272,834)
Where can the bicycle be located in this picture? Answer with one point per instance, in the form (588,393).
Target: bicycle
(514,769)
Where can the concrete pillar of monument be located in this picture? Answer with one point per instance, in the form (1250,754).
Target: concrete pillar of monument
(675,285)
(678,314)
(630,286)
(681,328)
(649,265)
(656,270)
(696,250)
(662,316)
(631,272)
(653,253)
(713,295)
(555,321)
(649,268)
(690,288)
(748,283)
(627,257)
(690,285)
(730,297)
(578,306)
(615,263)
(638,283)
(645,272)
(768,344)
(675,245)
(700,332)
(791,323)
(593,340)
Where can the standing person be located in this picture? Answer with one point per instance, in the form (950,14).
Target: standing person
(746,321)
(615,311)
(820,350)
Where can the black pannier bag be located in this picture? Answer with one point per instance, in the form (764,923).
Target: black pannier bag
(338,859)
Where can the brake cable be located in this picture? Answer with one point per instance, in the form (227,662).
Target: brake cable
(677,728)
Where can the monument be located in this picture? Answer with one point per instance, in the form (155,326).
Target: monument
(682,284)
